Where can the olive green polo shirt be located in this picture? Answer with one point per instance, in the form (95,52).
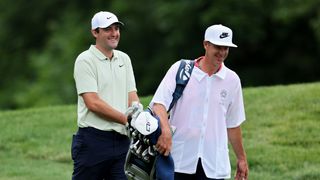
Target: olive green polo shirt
(112,79)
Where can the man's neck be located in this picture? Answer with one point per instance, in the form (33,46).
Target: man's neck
(107,52)
(208,67)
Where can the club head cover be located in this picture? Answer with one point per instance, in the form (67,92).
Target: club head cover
(145,123)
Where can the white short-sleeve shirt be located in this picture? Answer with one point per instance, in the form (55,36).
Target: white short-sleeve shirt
(208,106)
(111,79)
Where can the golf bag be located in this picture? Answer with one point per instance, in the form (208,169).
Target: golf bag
(144,130)
(140,161)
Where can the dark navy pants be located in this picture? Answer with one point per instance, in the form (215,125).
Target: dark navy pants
(99,155)
(199,175)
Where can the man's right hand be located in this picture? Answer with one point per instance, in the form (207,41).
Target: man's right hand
(164,143)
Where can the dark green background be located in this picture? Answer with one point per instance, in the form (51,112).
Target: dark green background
(278,42)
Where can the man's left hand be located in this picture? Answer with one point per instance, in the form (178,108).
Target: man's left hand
(242,170)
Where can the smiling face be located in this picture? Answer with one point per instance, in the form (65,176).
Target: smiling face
(107,38)
(215,54)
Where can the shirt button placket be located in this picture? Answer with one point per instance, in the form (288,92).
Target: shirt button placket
(205,117)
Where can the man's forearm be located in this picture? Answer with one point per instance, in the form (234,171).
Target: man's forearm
(102,109)
(235,139)
(161,112)
(132,97)
(164,143)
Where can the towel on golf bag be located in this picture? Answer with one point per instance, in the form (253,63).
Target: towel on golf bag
(164,167)
(164,164)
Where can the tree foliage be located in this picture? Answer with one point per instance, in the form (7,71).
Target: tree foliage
(278,42)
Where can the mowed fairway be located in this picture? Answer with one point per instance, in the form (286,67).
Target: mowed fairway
(281,136)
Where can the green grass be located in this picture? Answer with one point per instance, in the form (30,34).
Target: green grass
(281,136)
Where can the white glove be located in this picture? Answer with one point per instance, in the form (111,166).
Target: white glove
(133,108)
(133,111)
(137,105)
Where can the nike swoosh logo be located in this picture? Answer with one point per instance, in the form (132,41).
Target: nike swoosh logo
(224,35)
(109,17)
(121,65)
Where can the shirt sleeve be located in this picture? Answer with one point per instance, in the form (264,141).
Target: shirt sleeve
(84,76)
(236,112)
(163,95)
(130,76)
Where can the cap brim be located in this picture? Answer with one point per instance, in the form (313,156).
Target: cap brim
(119,22)
(224,44)
(116,22)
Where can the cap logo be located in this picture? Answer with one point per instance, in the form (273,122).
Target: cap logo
(224,35)
(109,17)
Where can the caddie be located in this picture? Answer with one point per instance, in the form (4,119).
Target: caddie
(207,116)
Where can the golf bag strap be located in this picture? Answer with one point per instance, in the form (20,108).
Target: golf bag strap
(182,78)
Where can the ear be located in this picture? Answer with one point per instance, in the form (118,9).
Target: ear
(205,44)
(94,33)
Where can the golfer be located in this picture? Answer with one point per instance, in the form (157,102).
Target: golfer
(106,88)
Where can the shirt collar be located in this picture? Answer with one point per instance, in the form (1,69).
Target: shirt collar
(222,72)
(100,55)
(199,74)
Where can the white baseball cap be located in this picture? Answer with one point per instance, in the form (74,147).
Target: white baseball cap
(104,19)
(219,35)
